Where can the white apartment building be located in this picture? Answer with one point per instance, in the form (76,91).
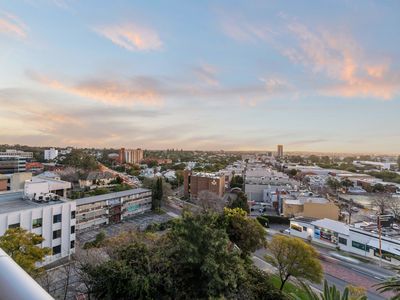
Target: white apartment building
(50,154)
(13,152)
(53,219)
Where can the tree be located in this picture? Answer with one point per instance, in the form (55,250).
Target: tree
(331,293)
(391,285)
(22,247)
(203,260)
(157,194)
(293,257)
(398,162)
(393,205)
(239,201)
(346,183)
(348,207)
(333,184)
(209,201)
(236,182)
(381,203)
(245,232)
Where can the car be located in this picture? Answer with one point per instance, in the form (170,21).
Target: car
(262,210)
(287,231)
(395,226)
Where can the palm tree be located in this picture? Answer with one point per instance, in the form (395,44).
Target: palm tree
(329,293)
(391,285)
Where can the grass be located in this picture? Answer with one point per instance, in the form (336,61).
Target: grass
(289,287)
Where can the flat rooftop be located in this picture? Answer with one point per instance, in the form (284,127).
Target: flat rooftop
(14,201)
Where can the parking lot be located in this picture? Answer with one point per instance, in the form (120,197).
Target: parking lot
(139,222)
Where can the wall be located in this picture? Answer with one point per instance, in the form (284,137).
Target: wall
(321,210)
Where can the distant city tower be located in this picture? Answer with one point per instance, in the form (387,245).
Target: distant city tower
(280,150)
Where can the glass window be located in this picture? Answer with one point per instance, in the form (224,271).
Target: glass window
(73,214)
(358,245)
(342,241)
(72,244)
(72,229)
(304,228)
(56,218)
(16,225)
(37,222)
(57,250)
(56,234)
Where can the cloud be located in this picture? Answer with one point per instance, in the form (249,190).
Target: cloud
(131,36)
(112,92)
(207,74)
(12,26)
(350,70)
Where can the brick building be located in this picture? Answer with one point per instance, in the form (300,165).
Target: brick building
(194,183)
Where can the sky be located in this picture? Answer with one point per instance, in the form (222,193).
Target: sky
(206,75)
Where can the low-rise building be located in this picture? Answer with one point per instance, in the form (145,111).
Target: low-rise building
(95,211)
(361,238)
(14,182)
(50,154)
(96,179)
(196,182)
(311,207)
(53,219)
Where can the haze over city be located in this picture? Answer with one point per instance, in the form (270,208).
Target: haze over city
(233,75)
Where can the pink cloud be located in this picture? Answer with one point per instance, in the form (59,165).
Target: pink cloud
(105,91)
(12,26)
(131,36)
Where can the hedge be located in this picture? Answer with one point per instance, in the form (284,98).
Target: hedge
(277,220)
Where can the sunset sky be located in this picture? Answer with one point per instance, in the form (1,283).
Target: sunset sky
(207,75)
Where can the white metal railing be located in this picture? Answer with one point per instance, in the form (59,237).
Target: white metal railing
(16,284)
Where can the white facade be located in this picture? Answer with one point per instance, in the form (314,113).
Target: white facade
(50,154)
(54,221)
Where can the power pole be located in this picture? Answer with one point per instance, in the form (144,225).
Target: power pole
(380,239)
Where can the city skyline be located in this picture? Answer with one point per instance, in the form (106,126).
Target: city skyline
(206,76)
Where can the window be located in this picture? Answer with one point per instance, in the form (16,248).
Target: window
(358,245)
(342,241)
(304,228)
(37,223)
(56,218)
(16,225)
(72,244)
(72,229)
(56,234)
(57,250)
(73,214)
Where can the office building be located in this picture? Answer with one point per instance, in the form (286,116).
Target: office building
(52,217)
(13,152)
(280,151)
(12,164)
(130,156)
(50,154)
(111,208)
(194,183)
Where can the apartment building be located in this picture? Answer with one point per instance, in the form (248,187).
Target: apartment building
(111,208)
(131,156)
(196,182)
(50,154)
(13,152)
(280,150)
(52,217)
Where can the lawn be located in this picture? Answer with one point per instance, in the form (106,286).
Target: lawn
(289,287)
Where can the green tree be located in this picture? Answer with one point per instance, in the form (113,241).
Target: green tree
(22,247)
(81,160)
(205,264)
(333,183)
(157,193)
(391,285)
(331,293)
(236,182)
(245,232)
(239,201)
(398,162)
(293,257)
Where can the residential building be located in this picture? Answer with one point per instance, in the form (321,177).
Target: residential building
(280,151)
(14,182)
(52,218)
(10,164)
(130,156)
(50,154)
(196,182)
(95,179)
(111,208)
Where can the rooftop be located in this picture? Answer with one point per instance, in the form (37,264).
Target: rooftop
(333,225)
(14,201)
